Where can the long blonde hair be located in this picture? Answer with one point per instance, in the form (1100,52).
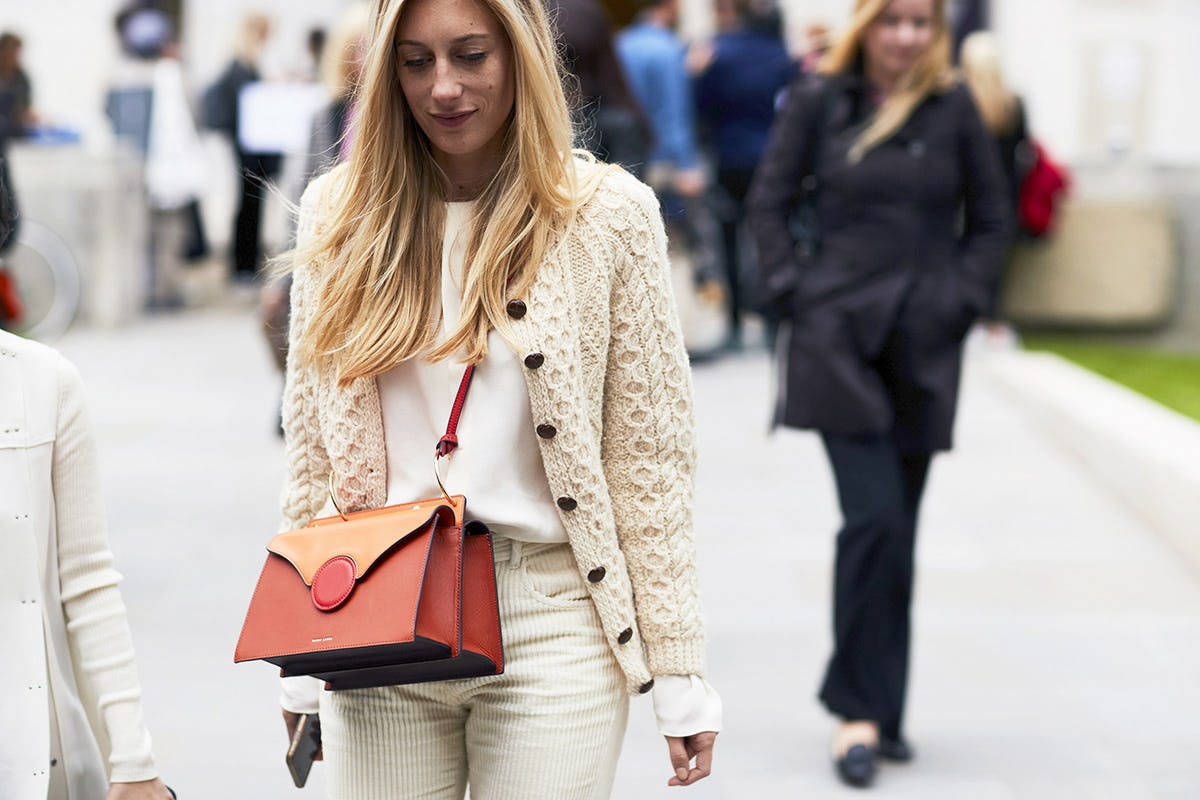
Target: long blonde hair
(377,253)
(980,63)
(931,73)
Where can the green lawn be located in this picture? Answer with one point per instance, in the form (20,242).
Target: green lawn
(1172,379)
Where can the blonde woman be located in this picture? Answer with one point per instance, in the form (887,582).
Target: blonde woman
(1003,115)
(463,230)
(73,724)
(911,223)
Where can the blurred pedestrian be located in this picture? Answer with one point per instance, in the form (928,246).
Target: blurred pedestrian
(314,46)
(341,70)
(736,93)
(463,230)
(654,59)
(911,224)
(816,45)
(608,118)
(16,117)
(72,704)
(11,307)
(329,144)
(255,170)
(1004,117)
(148,107)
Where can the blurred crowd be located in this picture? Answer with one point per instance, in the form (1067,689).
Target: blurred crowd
(691,118)
(851,202)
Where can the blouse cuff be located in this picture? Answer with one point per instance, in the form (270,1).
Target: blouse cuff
(685,705)
(300,694)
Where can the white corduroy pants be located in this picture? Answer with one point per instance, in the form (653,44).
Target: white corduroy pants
(549,728)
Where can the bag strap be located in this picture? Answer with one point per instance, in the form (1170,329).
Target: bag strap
(445,445)
(449,441)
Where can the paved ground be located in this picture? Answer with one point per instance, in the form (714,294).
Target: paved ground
(1057,640)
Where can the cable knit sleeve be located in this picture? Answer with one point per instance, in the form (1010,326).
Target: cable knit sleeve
(97,628)
(307,469)
(304,490)
(648,446)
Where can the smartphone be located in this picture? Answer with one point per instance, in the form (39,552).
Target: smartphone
(306,743)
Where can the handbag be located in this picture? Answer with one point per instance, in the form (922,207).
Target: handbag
(1039,197)
(394,595)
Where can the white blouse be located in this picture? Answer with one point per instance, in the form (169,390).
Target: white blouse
(497,465)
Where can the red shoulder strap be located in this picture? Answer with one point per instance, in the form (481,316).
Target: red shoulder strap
(449,441)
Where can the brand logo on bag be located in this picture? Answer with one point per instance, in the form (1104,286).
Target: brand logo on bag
(323,639)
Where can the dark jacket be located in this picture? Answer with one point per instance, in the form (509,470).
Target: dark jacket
(735,95)
(910,240)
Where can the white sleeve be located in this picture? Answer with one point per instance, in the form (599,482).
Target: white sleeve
(97,626)
(299,694)
(686,705)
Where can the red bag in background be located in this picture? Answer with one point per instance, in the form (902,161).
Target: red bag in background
(1041,193)
(11,309)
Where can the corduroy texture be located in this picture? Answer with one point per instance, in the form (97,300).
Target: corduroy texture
(616,385)
(549,728)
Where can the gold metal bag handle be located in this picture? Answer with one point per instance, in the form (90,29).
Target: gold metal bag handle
(333,497)
(437,458)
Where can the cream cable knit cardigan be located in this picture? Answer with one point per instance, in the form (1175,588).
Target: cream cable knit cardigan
(615,383)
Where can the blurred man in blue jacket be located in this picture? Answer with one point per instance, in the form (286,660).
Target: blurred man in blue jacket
(653,57)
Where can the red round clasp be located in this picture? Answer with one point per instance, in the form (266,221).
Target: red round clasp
(333,582)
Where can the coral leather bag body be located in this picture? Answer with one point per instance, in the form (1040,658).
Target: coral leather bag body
(393,595)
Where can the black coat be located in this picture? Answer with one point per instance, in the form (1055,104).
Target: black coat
(911,239)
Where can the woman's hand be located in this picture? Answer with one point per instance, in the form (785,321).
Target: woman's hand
(683,749)
(291,720)
(141,790)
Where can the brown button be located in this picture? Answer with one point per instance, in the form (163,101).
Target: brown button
(647,686)
(597,575)
(547,431)
(625,636)
(516,308)
(566,503)
(534,360)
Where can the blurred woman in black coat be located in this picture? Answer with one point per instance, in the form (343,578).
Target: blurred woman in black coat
(911,225)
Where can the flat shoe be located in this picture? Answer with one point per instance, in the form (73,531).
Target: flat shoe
(857,767)
(894,750)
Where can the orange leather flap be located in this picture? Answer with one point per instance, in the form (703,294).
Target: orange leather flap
(364,536)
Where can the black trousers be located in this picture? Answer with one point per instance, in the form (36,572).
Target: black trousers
(736,183)
(256,170)
(879,489)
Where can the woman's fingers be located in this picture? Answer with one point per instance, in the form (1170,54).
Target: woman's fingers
(683,750)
